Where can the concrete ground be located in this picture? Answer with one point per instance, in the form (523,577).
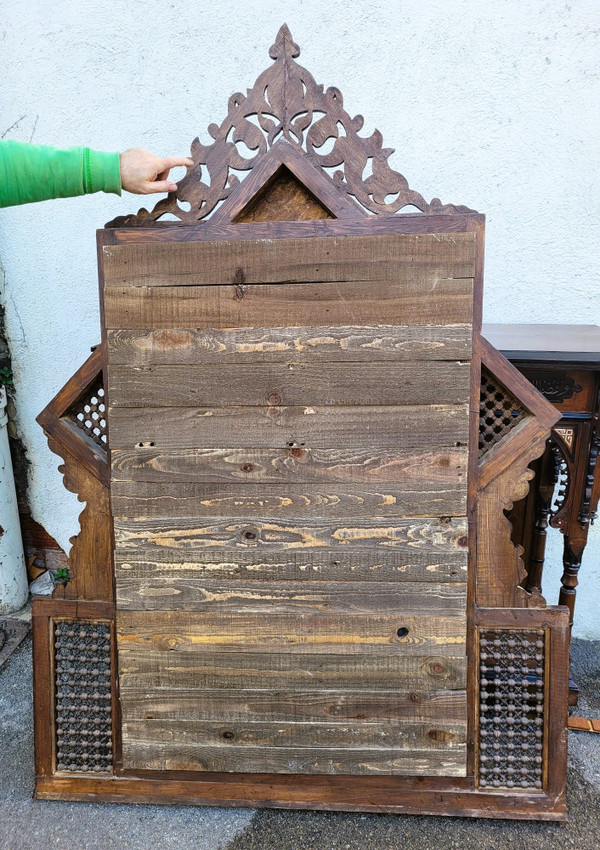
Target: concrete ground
(27,824)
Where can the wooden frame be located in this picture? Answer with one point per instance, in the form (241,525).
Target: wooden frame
(288,184)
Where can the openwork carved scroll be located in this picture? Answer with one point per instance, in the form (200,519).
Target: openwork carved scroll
(286,103)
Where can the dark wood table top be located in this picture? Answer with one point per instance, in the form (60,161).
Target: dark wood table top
(563,343)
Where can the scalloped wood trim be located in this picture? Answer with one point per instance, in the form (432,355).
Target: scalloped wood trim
(90,558)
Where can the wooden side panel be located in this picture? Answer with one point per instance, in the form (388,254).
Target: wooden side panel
(420,382)
(290,499)
(415,260)
(274,427)
(245,305)
(319,344)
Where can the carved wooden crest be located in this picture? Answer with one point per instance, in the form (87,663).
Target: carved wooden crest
(287,104)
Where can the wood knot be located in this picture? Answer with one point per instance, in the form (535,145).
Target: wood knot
(441,735)
(247,467)
(463,541)
(238,283)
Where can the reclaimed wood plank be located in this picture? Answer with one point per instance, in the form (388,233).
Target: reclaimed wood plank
(323,760)
(270,384)
(321,259)
(151,500)
(426,633)
(419,426)
(166,347)
(227,705)
(440,300)
(444,533)
(432,564)
(169,736)
(428,471)
(147,669)
(281,597)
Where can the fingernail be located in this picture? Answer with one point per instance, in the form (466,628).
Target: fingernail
(172,187)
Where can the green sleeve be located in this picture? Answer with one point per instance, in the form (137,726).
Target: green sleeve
(36,172)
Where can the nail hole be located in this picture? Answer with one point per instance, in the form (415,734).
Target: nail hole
(402,632)
(145,445)
(228,735)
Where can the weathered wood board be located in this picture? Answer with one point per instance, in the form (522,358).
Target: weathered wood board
(289,431)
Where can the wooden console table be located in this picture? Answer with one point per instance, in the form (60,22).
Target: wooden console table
(563,363)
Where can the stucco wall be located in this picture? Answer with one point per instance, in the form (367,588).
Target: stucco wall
(495,105)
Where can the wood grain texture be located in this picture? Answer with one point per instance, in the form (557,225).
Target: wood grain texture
(411,257)
(430,564)
(281,597)
(248,734)
(442,533)
(248,305)
(403,383)
(383,342)
(419,426)
(304,572)
(178,755)
(146,669)
(438,469)
(298,706)
(151,500)
(395,794)
(428,632)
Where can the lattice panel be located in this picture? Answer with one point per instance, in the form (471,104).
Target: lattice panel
(89,413)
(499,412)
(83,696)
(511,708)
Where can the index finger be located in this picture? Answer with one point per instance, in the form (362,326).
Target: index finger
(168,162)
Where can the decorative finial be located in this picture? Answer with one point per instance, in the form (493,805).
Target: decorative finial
(284,44)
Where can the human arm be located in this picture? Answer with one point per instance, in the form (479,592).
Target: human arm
(30,173)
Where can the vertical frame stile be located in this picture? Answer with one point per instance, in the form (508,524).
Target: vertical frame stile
(42,690)
(478,226)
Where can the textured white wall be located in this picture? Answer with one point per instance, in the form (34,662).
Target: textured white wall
(490,103)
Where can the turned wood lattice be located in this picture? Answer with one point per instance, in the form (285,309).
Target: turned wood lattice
(511,708)
(83,696)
